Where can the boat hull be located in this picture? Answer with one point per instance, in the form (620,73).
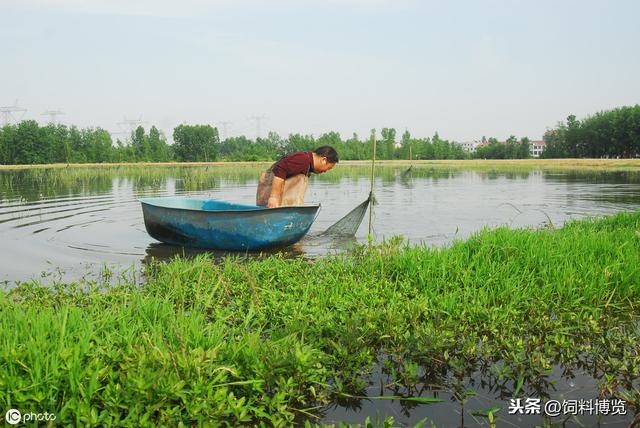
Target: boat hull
(222,225)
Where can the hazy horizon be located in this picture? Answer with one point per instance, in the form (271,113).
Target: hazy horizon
(462,69)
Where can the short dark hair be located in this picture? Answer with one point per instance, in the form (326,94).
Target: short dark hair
(327,152)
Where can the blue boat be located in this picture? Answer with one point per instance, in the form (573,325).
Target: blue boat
(221,225)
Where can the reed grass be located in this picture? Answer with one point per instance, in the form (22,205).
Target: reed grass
(40,182)
(270,342)
(469,163)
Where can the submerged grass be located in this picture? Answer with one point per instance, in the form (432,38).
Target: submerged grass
(37,182)
(270,342)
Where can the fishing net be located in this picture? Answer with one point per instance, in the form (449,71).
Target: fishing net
(349,224)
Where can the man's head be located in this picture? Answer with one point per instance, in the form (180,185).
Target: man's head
(325,158)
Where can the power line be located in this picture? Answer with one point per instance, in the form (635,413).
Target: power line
(132,124)
(7,112)
(258,120)
(113,133)
(225,125)
(52,115)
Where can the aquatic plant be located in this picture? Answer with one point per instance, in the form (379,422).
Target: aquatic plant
(38,182)
(272,341)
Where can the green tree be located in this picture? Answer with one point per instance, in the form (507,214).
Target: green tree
(332,139)
(26,145)
(234,148)
(358,148)
(613,133)
(386,148)
(140,145)
(98,145)
(7,144)
(60,145)
(555,143)
(195,143)
(407,150)
(160,150)
(524,151)
(78,146)
(297,143)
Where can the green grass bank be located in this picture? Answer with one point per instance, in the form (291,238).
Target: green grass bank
(272,341)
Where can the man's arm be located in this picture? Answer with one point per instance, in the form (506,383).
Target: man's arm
(277,188)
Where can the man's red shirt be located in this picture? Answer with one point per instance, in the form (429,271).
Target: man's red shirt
(293,164)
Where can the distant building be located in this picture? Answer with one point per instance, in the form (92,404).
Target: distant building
(537,147)
(469,146)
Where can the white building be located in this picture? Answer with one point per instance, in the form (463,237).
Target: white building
(469,146)
(536,148)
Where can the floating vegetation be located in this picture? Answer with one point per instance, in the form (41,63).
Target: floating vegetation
(273,341)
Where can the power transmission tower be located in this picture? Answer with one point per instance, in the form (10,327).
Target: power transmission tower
(114,133)
(52,115)
(258,120)
(132,124)
(7,112)
(225,125)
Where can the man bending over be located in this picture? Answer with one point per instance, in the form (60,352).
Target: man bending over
(285,183)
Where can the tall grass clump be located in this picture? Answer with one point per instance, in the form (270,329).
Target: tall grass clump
(273,341)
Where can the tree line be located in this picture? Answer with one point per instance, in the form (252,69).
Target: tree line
(509,149)
(607,134)
(30,143)
(614,133)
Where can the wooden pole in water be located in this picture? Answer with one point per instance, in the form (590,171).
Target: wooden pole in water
(371,193)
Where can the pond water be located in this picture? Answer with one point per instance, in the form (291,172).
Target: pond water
(465,403)
(67,222)
(71,223)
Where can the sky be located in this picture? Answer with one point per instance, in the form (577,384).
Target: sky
(464,69)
